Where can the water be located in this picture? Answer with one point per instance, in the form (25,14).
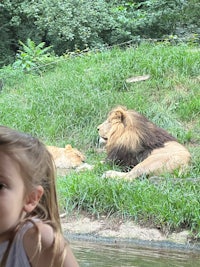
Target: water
(91,254)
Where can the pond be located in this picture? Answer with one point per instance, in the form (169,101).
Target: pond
(93,254)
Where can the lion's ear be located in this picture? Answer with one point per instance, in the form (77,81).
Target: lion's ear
(119,115)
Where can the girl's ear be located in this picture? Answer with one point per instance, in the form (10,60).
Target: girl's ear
(32,199)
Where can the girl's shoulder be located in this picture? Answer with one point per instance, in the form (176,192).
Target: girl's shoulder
(40,233)
(38,244)
(41,251)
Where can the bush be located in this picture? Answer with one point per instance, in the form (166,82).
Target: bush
(73,24)
(70,25)
(32,57)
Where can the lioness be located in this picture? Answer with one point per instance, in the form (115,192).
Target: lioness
(131,140)
(66,157)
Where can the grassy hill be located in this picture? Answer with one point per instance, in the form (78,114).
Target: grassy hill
(67,102)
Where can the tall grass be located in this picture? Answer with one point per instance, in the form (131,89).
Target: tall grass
(66,104)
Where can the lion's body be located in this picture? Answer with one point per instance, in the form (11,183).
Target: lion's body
(134,142)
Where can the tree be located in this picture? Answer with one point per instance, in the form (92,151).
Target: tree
(78,24)
(72,24)
(15,26)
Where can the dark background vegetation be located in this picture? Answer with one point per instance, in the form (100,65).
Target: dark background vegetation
(74,24)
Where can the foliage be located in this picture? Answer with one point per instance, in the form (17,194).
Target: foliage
(15,25)
(70,25)
(150,19)
(32,56)
(76,24)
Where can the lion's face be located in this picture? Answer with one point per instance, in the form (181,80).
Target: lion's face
(104,130)
(112,128)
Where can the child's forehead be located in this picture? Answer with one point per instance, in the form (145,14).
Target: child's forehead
(8,163)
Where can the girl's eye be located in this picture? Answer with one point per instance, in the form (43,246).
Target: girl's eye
(2,186)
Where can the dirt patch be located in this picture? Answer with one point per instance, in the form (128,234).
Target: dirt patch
(118,229)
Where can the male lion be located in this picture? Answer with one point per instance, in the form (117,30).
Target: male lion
(132,141)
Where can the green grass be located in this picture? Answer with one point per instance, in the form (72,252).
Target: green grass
(67,102)
(167,205)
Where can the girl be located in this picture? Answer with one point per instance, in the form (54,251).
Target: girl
(30,229)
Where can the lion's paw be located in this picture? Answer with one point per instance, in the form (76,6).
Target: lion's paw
(113,174)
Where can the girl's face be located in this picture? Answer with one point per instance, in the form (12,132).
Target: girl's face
(12,196)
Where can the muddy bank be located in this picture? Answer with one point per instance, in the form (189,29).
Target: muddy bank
(114,230)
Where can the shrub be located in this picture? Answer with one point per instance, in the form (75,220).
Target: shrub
(32,56)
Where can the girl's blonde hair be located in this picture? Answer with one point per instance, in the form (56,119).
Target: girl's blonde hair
(37,168)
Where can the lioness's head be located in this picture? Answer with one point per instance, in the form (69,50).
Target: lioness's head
(66,157)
